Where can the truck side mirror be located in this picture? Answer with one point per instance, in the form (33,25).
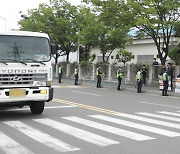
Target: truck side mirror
(53,49)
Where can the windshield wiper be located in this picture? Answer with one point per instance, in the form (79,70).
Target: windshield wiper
(14,61)
(3,62)
(35,61)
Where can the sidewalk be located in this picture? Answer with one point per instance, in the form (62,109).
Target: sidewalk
(124,87)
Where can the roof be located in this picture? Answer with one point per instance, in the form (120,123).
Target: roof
(24,33)
(134,32)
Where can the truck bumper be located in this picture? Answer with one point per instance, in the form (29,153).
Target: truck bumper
(26,94)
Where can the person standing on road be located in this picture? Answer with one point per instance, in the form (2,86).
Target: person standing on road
(170,74)
(165,82)
(76,75)
(155,62)
(144,72)
(98,74)
(139,78)
(119,76)
(60,73)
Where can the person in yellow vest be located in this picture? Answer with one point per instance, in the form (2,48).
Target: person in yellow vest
(76,75)
(60,71)
(165,79)
(139,79)
(98,74)
(119,77)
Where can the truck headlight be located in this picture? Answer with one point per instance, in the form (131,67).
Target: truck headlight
(39,83)
(42,83)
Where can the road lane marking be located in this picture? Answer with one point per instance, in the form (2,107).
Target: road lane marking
(110,129)
(9,146)
(137,126)
(85,106)
(169,113)
(85,93)
(139,118)
(41,137)
(160,104)
(48,107)
(78,133)
(159,116)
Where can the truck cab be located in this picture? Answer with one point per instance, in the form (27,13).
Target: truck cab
(25,70)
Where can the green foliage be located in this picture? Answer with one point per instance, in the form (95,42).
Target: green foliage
(177,28)
(85,64)
(57,20)
(155,18)
(174,54)
(124,56)
(110,34)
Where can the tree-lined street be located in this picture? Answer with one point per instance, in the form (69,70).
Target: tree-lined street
(84,120)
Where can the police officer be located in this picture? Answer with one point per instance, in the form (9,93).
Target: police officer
(98,74)
(76,75)
(170,74)
(60,71)
(119,76)
(139,78)
(165,82)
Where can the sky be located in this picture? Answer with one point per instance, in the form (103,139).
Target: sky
(9,11)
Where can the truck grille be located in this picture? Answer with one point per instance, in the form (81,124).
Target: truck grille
(21,79)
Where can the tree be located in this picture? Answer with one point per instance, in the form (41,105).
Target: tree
(155,18)
(88,28)
(124,56)
(57,20)
(112,34)
(174,54)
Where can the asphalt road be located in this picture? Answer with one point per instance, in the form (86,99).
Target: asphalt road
(87,120)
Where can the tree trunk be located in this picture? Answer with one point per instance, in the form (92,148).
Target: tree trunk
(104,57)
(67,56)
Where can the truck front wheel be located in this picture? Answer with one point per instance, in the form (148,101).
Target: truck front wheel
(37,107)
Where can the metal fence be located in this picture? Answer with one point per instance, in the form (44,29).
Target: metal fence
(88,72)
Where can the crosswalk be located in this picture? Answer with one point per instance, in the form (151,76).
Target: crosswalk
(138,127)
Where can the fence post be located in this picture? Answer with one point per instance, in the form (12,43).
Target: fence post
(151,75)
(177,70)
(127,78)
(57,72)
(109,73)
(93,72)
(68,70)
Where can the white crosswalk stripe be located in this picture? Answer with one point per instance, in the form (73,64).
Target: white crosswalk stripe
(138,126)
(149,120)
(78,133)
(110,129)
(159,116)
(169,113)
(9,146)
(41,137)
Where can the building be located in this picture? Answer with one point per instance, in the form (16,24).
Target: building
(144,51)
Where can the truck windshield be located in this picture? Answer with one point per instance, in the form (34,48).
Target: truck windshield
(24,48)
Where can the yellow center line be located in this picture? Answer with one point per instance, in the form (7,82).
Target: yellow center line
(86,106)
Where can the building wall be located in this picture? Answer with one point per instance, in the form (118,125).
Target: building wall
(144,50)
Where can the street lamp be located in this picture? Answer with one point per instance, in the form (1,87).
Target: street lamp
(4,21)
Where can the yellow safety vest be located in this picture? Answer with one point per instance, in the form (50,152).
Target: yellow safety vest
(139,76)
(76,71)
(119,74)
(165,77)
(60,69)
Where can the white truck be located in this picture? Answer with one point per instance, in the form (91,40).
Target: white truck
(25,70)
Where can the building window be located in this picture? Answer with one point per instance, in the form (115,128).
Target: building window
(112,57)
(145,59)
